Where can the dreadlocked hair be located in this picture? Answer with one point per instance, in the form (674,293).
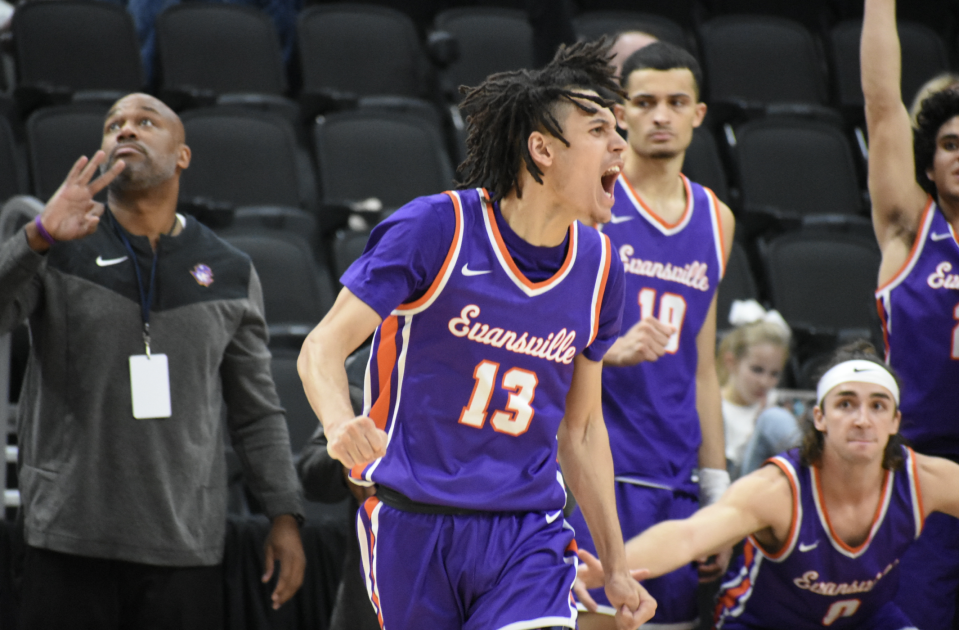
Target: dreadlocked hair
(507,107)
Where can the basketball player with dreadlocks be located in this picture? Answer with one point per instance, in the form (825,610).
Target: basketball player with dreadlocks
(661,397)
(914,187)
(491,308)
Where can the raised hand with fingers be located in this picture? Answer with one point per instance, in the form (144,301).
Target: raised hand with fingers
(71,212)
(356,442)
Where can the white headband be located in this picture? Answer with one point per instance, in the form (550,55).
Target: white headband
(857,371)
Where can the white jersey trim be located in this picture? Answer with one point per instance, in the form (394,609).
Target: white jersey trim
(598,288)
(838,545)
(400,374)
(914,490)
(501,255)
(367,556)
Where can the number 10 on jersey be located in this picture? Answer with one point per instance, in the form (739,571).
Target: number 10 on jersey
(521,385)
(672,310)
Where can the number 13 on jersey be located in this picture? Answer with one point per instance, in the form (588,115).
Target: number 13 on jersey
(672,310)
(521,385)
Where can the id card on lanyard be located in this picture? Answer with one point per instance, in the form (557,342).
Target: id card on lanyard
(149,372)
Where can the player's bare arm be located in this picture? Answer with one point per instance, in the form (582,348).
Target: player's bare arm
(587,466)
(938,485)
(71,212)
(760,503)
(353,440)
(897,200)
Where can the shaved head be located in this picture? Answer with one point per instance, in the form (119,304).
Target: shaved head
(151,103)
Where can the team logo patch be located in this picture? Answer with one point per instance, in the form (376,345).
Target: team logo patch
(203,275)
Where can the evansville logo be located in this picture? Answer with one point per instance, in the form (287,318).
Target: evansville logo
(810,582)
(942,279)
(556,347)
(692,275)
(203,275)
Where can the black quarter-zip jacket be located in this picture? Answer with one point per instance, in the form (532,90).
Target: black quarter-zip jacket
(96,482)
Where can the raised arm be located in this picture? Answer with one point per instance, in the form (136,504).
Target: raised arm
(897,200)
(353,440)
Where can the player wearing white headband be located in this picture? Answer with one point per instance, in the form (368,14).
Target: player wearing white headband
(825,524)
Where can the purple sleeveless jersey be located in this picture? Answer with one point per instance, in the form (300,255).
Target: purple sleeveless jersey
(919,308)
(816,579)
(470,380)
(672,273)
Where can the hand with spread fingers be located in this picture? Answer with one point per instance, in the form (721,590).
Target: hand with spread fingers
(356,442)
(71,212)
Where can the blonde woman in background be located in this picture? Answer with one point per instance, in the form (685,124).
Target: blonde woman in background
(750,361)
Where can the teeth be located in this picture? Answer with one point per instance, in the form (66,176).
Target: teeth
(614,170)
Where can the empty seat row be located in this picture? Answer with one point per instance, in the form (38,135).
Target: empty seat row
(348,51)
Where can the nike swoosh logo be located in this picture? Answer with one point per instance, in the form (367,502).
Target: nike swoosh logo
(804,548)
(616,219)
(106,262)
(863,370)
(940,237)
(472,272)
(552,517)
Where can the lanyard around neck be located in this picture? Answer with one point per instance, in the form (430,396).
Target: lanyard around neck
(146,296)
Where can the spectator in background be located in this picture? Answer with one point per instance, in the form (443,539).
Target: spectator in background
(142,328)
(750,361)
(625,44)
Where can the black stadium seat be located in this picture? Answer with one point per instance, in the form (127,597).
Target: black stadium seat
(56,137)
(703,164)
(301,421)
(360,50)
(392,157)
(490,40)
(798,167)
(13,181)
(207,50)
(66,47)
(246,158)
(923,57)
(761,60)
(738,284)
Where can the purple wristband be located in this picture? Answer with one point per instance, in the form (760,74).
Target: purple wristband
(43,231)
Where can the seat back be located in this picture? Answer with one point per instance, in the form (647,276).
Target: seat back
(923,57)
(77,46)
(738,283)
(360,49)
(760,59)
(247,158)
(822,281)
(392,157)
(56,138)
(703,164)
(490,40)
(595,24)
(803,167)
(223,48)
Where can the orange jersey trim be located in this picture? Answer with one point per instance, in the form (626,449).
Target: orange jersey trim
(370,506)
(656,217)
(875,518)
(458,211)
(794,523)
(721,245)
(731,597)
(385,362)
(501,245)
(881,309)
(920,236)
(607,245)
(918,490)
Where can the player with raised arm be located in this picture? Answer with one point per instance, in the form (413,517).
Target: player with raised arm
(826,523)
(661,396)
(492,309)
(914,187)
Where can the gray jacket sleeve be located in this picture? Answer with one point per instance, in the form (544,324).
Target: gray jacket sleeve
(20,285)
(255,418)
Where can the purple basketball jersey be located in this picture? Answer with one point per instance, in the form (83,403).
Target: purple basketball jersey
(919,308)
(672,272)
(470,380)
(816,579)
